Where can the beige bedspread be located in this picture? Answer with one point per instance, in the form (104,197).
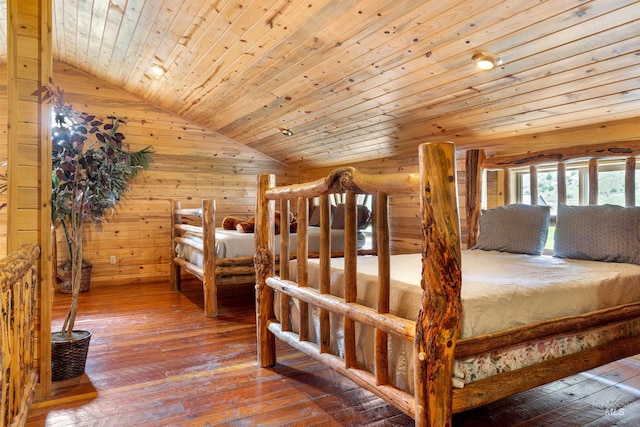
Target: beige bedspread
(500,290)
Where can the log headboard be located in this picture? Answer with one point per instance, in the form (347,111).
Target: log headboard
(476,163)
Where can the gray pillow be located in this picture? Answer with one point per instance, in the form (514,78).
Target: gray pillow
(314,218)
(337,222)
(516,228)
(598,232)
(363,217)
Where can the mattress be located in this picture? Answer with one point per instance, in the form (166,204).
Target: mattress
(233,244)
(499,291)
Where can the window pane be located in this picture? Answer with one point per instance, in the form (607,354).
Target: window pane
(611,187)
(524,195)
(550,237)
(573,187)
(548,190)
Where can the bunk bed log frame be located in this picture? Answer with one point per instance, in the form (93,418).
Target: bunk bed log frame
(435,330)
(206,273)
(216,272)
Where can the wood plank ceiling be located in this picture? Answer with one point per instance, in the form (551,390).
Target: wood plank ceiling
(362,80)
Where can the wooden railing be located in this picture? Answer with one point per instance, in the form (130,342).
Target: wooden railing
(19,279)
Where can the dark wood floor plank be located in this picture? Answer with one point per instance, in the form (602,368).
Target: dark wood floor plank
(155,360)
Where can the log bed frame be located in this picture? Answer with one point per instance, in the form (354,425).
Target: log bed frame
(434,331)
(214,271)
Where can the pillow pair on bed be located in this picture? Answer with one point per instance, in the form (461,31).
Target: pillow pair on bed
(596,232)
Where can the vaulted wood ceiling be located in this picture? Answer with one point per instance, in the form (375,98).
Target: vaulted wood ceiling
(361,80)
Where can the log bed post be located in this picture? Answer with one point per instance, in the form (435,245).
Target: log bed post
(474,159)
(209,285)
(593,181)
(264,265)
(533,185)
(562,182)
(174,268)
(384,283)
(438,321)
(630,181)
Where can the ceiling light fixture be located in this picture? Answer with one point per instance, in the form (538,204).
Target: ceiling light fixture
(486,60)
(287,132)
(158,70)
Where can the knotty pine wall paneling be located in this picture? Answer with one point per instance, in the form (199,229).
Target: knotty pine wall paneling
(191,163)
(3,157)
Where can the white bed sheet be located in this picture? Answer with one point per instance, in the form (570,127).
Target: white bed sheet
(233,244)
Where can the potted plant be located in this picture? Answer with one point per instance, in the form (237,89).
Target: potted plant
(91,170)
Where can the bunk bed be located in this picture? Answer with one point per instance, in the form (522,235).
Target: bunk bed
(358,317)
(223,257)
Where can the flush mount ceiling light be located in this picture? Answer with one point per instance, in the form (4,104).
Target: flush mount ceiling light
(157,70)
(287,132)
(486,60)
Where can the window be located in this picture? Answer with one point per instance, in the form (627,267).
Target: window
(610,185)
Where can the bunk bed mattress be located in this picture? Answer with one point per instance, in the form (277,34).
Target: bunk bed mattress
(500,290)
(233,244)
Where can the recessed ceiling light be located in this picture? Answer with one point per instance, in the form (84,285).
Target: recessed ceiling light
(158,70)
(486,60)
(287,132)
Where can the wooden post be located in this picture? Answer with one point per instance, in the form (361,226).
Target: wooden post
(593,181)
(630,181)
(209,285)
(350,280)
(533,184)
(29,68)
(438,322)
(264,264)
(175,279)
(473,194)
(303,274)
(507,185)
(562,183)
(384,283)
(285,209)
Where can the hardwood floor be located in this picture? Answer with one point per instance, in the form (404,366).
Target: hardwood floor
(154,360)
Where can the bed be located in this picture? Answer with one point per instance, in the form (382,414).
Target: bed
(221,257)
(410,329)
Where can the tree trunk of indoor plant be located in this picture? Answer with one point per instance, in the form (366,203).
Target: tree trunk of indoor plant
(69,348)
(76,277)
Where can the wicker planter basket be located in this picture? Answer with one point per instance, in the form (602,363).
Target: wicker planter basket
(69,357)
(64,277)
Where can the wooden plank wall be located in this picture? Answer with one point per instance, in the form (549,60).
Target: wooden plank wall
(3,156)
(191,163)
(404,212)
